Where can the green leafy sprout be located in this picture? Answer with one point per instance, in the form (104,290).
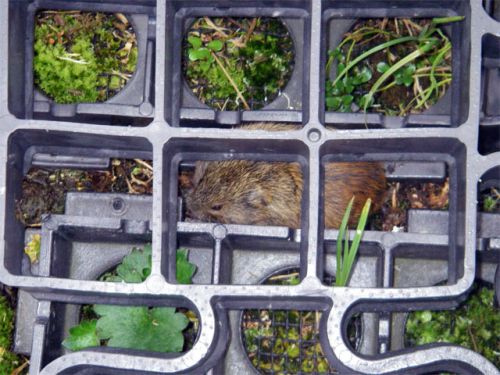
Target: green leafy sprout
(491,201)
(135,327)
(474,325)
(237,63)
(375,62)
(81,56)
(346,253)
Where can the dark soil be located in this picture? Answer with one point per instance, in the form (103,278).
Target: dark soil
(44,190)
(191,332)
(402,196)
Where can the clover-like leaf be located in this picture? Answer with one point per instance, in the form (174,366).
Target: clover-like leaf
(295,280)
(382,67)
(184,269)
(333,103)
(194,41)
(404,76)
(82,336)
(338,88)
(156,329)
(347,100)
(215,45)
(349,83)
(363,76)
(199,54)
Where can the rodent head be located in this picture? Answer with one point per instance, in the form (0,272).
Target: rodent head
(240,192)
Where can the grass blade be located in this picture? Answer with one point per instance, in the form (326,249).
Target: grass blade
(394,68)
(348,263)
(345,256)
(371,51)
(340,237)
(432,77)
(441,20)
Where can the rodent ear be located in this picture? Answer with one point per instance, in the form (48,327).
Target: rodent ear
(199,171)
(257,198)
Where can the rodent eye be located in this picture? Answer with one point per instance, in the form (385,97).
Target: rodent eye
(216,207)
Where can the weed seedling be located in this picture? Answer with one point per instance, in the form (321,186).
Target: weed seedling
(136,327)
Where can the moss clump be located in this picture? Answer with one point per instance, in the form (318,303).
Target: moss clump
(474,325)
(81,56)
(8,360)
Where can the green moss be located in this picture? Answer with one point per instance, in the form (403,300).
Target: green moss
(79,55)
(8,360)
(474,325)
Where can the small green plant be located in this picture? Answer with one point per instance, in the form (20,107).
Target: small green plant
(346,254)
(81,56)
(135,327)
(474,325)
(9,361)
(237,63)
(491,200)
(284,341)
(393,66)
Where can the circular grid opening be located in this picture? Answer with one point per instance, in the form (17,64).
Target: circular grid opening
(83,57)
(287,341)
(238,63)
(393,66)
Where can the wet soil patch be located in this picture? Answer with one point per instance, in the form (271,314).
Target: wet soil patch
(402,196)
(44,190)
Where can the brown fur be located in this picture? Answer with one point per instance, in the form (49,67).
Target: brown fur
(270,193)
